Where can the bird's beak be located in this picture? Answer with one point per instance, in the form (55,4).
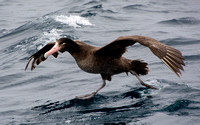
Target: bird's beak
(54,49)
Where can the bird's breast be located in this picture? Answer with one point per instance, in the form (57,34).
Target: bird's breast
(89,65)
(103,65)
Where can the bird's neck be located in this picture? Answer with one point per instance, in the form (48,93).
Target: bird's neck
(81,51)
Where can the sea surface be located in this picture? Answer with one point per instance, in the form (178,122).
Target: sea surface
(46,96)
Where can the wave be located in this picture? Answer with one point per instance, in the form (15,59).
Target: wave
(177,105)
(192,57)
(73,20)
(3,32)
(135,6)
(143,8)
(44,30)
(92,2)
(181,21)
(180,41)
(139,103)
(137,93)
(93,9)
(181,107)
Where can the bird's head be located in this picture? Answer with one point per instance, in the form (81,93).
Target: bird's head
(61,45)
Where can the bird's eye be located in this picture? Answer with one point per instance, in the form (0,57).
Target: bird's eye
(62,43)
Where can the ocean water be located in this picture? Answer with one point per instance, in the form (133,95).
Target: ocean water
(46,95)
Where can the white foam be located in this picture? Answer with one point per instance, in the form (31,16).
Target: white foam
(154,83)
(68,121)
(47,37)
(73,20)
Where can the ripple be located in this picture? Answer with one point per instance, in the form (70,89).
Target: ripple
(138,93)
(3,32)
(97,6)
(77,111)
(182,107)
(177,105)
(135,6)
(181,21)
(88,14)
(180,41)
(92,2)
(192,57)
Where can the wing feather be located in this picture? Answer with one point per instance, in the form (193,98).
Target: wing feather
(175,63)
(115,49)
(169,55)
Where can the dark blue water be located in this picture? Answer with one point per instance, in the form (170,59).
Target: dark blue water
(46,95)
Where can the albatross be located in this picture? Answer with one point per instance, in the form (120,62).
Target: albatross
(108,60)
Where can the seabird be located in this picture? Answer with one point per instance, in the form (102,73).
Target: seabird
(108,60)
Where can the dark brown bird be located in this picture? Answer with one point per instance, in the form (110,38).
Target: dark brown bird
(108,60)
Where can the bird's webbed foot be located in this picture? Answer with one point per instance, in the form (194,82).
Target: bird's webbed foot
(141,82)
(87,96)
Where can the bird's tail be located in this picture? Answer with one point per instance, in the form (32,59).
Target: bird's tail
(139,67)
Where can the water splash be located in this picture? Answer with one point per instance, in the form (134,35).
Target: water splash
(47,37)
(73,20)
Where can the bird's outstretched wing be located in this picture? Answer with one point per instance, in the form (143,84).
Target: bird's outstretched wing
(38,57)
(169,55)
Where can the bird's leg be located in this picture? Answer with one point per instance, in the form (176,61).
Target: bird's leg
(141,82)
(89,96)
